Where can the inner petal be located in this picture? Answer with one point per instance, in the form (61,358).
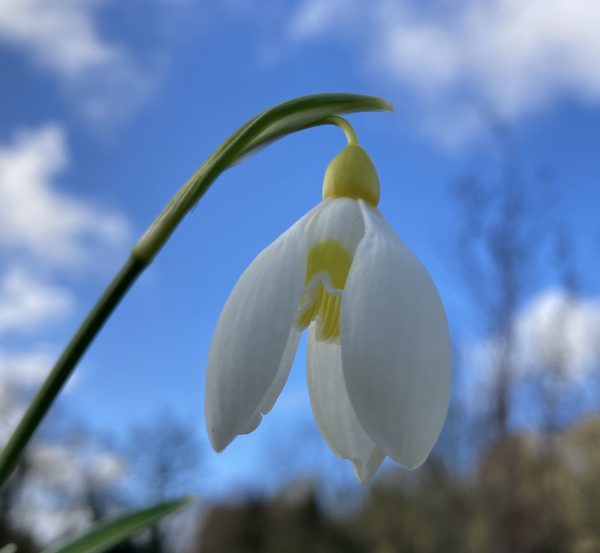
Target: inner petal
(332,236)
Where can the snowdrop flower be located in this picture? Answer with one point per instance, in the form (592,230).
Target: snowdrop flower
(378,359)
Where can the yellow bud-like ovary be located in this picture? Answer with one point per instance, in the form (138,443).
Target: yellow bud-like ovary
(351,174)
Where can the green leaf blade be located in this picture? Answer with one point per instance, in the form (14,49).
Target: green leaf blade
(108,533)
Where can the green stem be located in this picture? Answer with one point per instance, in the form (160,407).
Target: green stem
(342,124)
(279,121)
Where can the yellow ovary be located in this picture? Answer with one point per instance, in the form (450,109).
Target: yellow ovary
(351,174)
(329,262)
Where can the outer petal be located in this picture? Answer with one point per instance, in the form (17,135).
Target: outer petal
(277,385)
(252,348)
(395,345)
(332,409)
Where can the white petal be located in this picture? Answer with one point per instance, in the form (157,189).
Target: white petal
(339,219)
(252,348)
(282,373)
(332,409)
(395,345)
(276,387)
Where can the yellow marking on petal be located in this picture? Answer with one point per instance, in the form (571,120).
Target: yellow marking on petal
(331,258)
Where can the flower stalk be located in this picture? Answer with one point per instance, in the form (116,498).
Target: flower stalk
(281,120)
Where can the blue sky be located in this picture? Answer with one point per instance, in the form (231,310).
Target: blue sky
(107,107)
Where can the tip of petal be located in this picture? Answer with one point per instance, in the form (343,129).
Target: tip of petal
(219,439)
(361,476)
(408,460)
(365,471)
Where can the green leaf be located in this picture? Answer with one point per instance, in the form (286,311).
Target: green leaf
(108,533)
(9,548)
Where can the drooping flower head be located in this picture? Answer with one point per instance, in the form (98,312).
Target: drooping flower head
(378,356)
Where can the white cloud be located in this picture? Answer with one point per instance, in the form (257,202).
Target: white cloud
(314,18)
(61,37)
(75,467)
(62,481)
(38,220)
(555,332)
(24,370)
(512,56)
(63,477)
(57,234)
(58,34)
(560,330)
(19,373)
(27,303)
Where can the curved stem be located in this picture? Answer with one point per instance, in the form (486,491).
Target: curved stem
(247,139)
(291,116)
(266,127)
(344,125)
